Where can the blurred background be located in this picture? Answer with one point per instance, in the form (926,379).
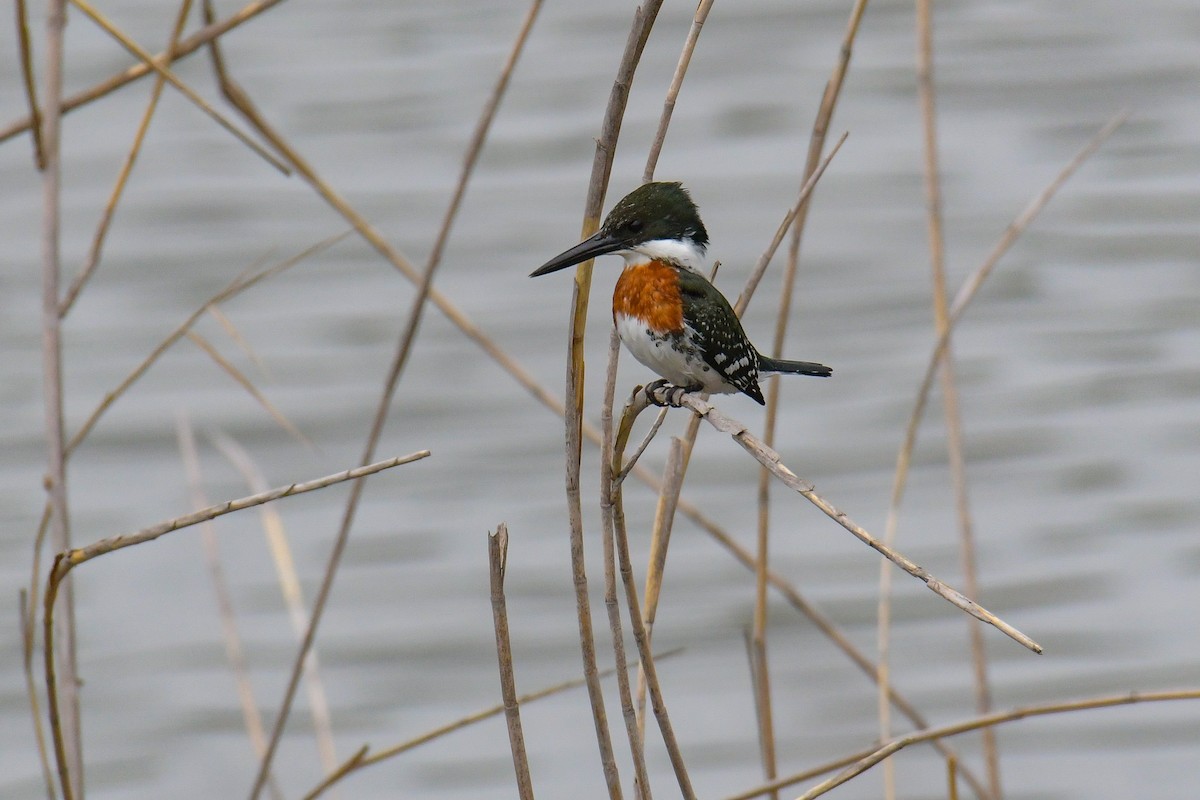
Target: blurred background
(1079,386)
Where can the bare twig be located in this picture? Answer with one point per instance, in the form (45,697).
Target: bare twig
(141,69)
(497,559)
(187,91)
(240,379)
(361,758)
(685,58)
(991,720)
(66,560)
(771,460)
(238,285)
(35,114)
(110,208)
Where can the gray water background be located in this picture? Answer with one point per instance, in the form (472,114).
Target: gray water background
(1077,365)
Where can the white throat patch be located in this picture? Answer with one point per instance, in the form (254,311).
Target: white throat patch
(684,253)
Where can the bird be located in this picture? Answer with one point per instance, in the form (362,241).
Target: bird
(666,313)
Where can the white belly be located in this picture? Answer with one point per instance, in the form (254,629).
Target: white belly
(661,354)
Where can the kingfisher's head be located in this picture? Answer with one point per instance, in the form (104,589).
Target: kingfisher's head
(655,222)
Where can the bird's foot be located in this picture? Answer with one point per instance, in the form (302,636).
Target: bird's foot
(665,394)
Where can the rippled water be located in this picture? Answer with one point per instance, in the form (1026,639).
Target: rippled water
(1078,375)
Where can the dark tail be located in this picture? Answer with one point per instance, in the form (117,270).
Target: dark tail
(766,364)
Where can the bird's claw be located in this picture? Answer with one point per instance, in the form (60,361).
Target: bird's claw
(665,394)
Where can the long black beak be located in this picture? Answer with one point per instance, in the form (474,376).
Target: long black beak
(597,245)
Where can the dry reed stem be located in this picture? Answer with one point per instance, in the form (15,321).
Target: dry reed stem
(235,287)
(660,539)
(67,560)
(235,336)
(877,754)
(827,627)
(110,208)
(141,69)
(816,145)
(67,733)
(953,421)
(685,59)
(636,404)
(240,378)
(772,461)
(293,597)
(28,81)
(497,559)
(991,720)
(361,758)
(970,287)
(242,102)
(234,654)
(187,91)
(35,707)
(610,487)
(606,142)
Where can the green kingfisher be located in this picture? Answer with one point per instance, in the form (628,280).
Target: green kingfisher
(666,313)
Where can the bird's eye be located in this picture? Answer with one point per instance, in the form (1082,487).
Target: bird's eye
(635,225)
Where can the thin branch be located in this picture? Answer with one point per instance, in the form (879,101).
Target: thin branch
(238,285)
(497,560)
(110,208)
(361,758)
(141,69)
(77,556)
(772,461)
(187,91)
(685,59)
(26,55)
(240,379)
(991,720)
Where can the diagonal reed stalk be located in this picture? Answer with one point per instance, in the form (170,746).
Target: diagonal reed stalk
(110,208)
(67,560)
(187,46)
(173,79)
(28,81)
